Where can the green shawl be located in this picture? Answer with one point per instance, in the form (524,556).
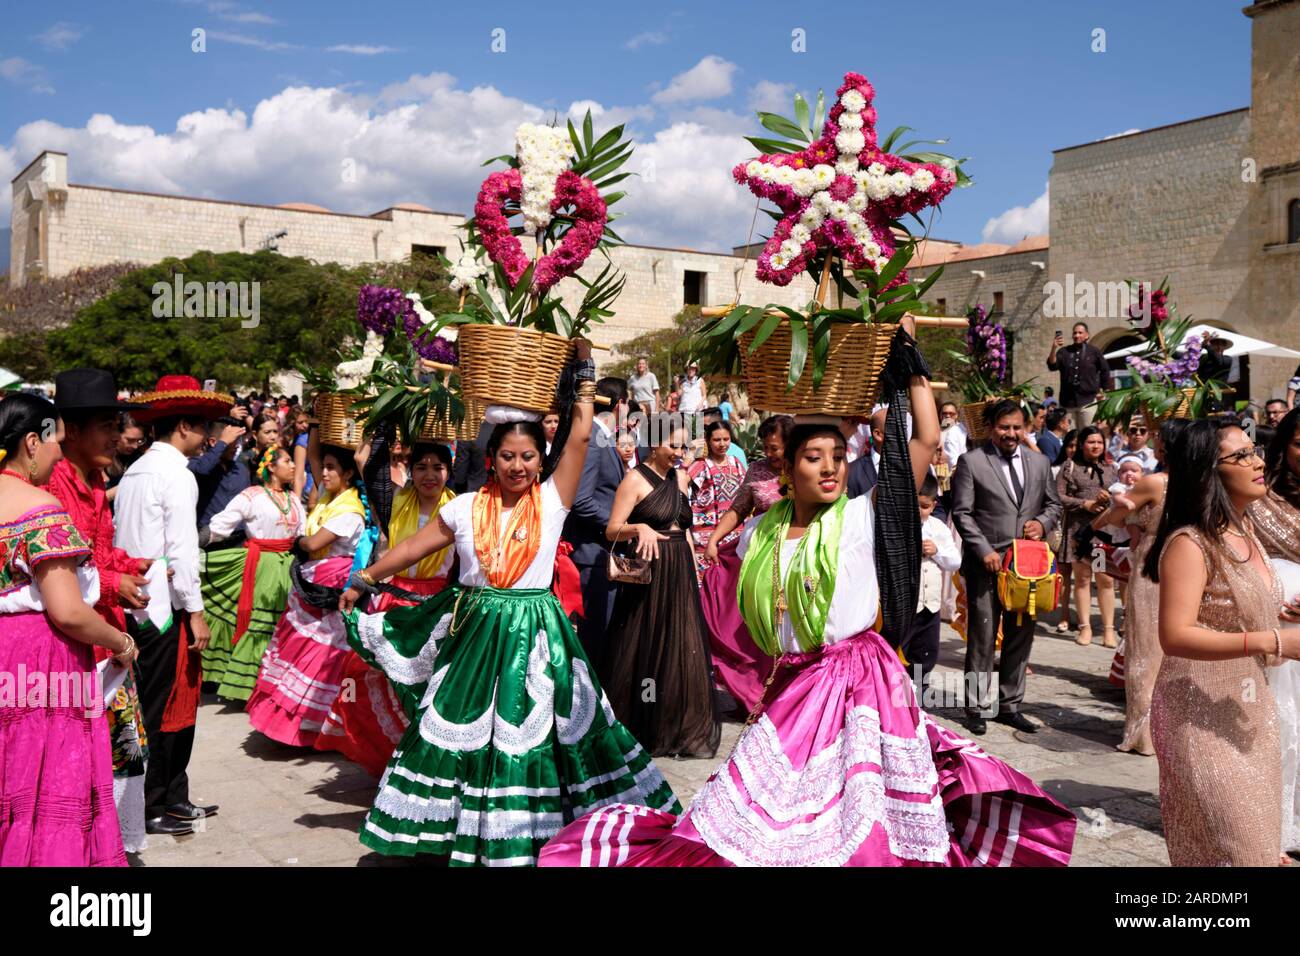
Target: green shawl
(809,580)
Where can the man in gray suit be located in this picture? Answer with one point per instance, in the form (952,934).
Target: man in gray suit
(1000,492)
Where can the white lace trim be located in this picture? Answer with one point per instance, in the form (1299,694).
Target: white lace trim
(787,794)
(491,727)
(400,670)
(728,820)
(323,627)
(386,707)
(294,685)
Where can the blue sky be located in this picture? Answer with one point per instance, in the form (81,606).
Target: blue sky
(413,94)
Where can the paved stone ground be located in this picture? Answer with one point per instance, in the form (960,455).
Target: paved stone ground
(281,806)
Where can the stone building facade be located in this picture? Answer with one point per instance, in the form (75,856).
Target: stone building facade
(1213,203)
(60,226)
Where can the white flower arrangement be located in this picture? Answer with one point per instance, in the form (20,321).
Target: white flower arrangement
(544,152)
(464,273)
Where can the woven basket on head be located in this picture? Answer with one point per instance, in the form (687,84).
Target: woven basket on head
(851,385)
(500,365)
(442,430)
(339,425)
(1182,410)
(972,416)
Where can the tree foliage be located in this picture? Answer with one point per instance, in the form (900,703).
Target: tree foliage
(667,350)
(306,313)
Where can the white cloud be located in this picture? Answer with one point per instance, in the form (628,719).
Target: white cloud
(650,37)
(420,140)
(361,49)
(271,46)
(771,97)
(253,17)
(706,80)
(23,73)
(1018,222)
(60,36)
(684,195)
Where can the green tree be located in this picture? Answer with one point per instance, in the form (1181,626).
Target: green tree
(667,350)
(306,315)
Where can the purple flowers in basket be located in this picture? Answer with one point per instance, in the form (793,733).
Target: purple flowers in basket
(379,308)
(987,344)
(1180,371)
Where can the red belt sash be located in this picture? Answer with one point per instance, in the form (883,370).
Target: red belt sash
(255,546)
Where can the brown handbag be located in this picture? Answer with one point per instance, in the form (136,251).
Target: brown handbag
(628,569)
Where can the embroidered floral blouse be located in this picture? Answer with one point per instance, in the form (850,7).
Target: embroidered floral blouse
(42,534)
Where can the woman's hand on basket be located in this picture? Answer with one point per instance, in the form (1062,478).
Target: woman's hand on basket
(908,323)
(647,542)
(581,349)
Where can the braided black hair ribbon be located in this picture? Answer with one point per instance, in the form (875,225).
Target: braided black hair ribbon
(897,518)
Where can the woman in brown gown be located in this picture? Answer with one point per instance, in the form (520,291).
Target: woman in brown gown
(1140,510)
(1213,719)
(658,672)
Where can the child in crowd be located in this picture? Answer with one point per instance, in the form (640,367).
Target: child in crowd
(939,557)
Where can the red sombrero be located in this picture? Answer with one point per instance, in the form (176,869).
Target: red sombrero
(181,395)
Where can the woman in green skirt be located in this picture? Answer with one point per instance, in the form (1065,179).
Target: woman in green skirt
(245,590)
(511,735)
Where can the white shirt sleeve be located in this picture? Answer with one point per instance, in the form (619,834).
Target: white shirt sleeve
(181,533)
(346,525)
(948,558)
(238,512)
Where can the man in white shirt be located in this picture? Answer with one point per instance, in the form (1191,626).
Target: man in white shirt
(1138,447)
(690,400)
(155,519)
(952,433)
(644,387)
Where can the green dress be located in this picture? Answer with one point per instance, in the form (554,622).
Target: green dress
(511,735)
(269,522)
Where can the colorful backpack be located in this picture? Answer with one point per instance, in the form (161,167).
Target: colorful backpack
(1028,582)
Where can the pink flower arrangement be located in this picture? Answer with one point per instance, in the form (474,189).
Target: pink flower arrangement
(841,192)
(503,246)
(1158,303)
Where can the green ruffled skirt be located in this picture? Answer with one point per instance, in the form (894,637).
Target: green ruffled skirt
(234,671)
(511,736)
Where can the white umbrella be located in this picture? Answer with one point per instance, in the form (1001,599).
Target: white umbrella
(7,378)
(1241,344)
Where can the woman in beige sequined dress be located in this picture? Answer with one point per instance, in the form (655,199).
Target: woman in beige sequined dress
(1276,517)
(1213,719)
(1140,509)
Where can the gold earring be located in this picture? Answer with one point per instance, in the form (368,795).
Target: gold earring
(31,472)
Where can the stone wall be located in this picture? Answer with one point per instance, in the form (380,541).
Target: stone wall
(1274,277)
(92,225)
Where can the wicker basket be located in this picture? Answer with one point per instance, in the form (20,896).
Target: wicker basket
(439,430)
(851,385)
(500,365)
(339,425)
(972,416)
(1182,410)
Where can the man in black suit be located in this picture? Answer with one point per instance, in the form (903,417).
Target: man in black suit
(1000,492)
(585,527)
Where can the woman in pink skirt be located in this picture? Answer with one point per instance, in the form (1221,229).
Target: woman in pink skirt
(302,671)
(837,766)
(56,761)
(738,665)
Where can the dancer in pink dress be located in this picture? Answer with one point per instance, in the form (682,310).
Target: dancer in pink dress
(56,759)
(837,766)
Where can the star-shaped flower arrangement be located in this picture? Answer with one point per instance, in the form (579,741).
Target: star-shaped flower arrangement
(842,192)
(841,197)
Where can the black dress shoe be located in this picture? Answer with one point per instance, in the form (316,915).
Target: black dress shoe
(167,826)
(1018,721)
(977,726)
(188,811)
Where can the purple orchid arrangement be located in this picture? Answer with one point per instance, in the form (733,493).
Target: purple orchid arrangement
(1180,371)
(987,344)
(379,307)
